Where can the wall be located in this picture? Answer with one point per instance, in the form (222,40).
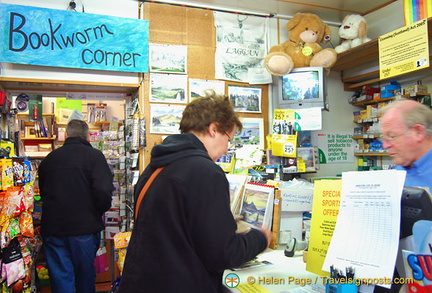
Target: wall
(194,28)
(339,118)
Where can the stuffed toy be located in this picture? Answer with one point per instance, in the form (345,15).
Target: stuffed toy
(306,31)
(352,32)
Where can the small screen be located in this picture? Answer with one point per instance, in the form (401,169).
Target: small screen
(298,86)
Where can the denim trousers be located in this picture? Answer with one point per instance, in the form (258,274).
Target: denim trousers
(70,261)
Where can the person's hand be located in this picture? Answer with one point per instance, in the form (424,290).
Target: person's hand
(268,234)
(242,226)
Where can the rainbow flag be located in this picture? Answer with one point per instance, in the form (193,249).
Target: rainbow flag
(416,10)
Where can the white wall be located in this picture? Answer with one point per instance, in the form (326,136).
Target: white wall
(385,20)
(339,117)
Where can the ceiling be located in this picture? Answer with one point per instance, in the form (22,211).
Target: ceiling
(328,10)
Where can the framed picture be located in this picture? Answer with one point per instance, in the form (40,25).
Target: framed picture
(245,98)
(252,132)
(168,58)
(308,156)
(165,119)
(168,88)
(197,87)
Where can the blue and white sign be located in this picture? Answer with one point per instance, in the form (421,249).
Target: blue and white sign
(61,38)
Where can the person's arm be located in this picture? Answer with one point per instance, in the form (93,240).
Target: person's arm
(102,184)
(214,230)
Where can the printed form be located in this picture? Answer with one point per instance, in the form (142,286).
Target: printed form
(366,234)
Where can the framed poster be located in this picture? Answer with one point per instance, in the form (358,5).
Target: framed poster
(245,98)
(252,132)
(168,88)
(165,119)
(168,58)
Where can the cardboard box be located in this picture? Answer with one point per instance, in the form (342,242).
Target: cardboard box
(415,89)
(8,147)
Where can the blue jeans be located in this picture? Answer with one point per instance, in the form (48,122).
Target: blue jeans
(70,261)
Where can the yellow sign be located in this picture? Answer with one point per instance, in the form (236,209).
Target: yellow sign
(285,114)
(325,209)
(404,50)
(284,145)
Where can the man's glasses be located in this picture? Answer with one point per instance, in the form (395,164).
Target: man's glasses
(392,138)
(230,140)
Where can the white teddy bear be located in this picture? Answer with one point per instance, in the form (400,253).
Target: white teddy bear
(352,32)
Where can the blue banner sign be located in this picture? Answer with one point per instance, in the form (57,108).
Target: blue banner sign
(61,38)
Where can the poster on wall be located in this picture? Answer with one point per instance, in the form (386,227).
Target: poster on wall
(165,119)
(62,38)
(252,132)
(241,46)
(335,147)
(197,87)
(245,99)
(404,50)
(168,58)
(168,88)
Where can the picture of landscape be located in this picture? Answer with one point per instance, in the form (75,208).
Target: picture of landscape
(168,58)
(257,205)
(168,88)
(252,132)
(165,118)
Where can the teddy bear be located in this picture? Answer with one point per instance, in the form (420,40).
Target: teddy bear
(302,49)
(352,32)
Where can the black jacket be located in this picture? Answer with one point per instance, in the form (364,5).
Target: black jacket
(185,235)
(76,186)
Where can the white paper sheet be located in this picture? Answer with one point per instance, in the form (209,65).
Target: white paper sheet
(366,235)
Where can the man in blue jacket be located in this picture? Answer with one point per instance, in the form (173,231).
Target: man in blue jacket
(76,185)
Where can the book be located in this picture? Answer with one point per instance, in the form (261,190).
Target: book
(257,205)
(236,185)
(48,122)
(43,130)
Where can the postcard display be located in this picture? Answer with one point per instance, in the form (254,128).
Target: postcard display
(120,148)
(111,143)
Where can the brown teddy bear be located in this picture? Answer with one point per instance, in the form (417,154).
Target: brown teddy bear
(306,31)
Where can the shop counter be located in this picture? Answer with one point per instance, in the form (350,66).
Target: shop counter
(282,275)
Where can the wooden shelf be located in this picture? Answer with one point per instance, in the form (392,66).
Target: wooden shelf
(20,85)
(371,154)
(366,136)
(37,155)
(38,138)
(24,115)
(371,102)
(105,123)
(356,56)
(368,53)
